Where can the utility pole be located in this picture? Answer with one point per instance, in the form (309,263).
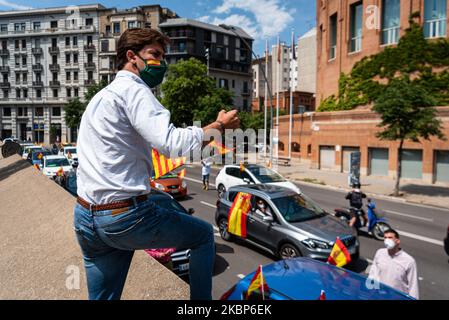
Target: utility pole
(207,57)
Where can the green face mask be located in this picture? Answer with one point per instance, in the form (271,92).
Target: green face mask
(154,72)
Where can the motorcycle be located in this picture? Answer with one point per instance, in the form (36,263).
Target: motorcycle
(376,225)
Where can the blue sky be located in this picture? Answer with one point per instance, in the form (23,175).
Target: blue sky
(262,19)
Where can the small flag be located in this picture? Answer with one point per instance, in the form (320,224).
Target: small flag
(182,173)
(162,165)
(221,149)
(242,167)
(36,166)
(322,295)
(60,172)
(339,256)
(238,214)
(258,283)
(40,156)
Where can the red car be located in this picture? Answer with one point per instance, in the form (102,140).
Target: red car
(172,184)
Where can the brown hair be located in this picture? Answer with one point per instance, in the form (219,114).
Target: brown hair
(136,39)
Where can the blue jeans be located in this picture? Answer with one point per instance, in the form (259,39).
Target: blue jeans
(108,242)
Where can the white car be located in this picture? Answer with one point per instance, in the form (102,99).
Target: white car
(52,164)
(69,153)
(231,176)
(27,150)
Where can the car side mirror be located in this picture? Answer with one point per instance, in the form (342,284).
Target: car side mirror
(191,211)
(246,180)
(268,219)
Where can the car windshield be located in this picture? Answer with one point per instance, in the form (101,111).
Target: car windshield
(43,153)
(266,175)
(298,208)
(169,175)
(28,149)
(52,163)
(71,150)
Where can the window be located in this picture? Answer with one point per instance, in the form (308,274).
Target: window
(24,78)
(19,26)
(245,87)
(36,25)
(356,27)
(38,93)
(75,92)
(223,83)
(75,58)
(105,46)
(17,61)
(55,93)
(54,42)
(131,24)
(245,105)
(18,93)
(67,58)
(24,61)
(17,44)
(90,58)
(435,18)
(75,75)
(90,75)
(89,22)
(38,77)
(56,111)
(233,84)
(67,41)
(4,28)
(333,37)
(89,40)
(17,77)
(53,24)
(5,93)
(39,112)
(54,59)
(6,111)
(69,92)
(391,14)
(226,40)
(67,76)
(75,41)
(24,44)
(116,27)
(25,93)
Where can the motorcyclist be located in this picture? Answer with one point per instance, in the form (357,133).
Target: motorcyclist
(355,198)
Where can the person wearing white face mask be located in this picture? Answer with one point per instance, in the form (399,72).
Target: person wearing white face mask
(394,267)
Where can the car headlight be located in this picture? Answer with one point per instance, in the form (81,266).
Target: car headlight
(159,186)
(184,185)
(312,243)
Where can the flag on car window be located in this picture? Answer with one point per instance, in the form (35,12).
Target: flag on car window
(258,283)
(339,255)
(162,165)
(238,214)
(60,172)
(221,149)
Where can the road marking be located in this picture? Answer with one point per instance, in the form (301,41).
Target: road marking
(208,204)
(241,276)
(408,215)
(198,181)
(422,238)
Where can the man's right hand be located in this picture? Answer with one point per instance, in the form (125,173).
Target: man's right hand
(229,119)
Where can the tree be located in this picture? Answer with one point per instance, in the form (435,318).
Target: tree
(406,111)
(190,94)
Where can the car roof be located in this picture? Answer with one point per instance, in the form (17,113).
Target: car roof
(270,190)
(304,278)
(247,166)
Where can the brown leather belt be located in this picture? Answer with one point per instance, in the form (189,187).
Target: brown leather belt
(111,206)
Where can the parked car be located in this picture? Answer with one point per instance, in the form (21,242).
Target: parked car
(36,156)
(231,176)
(446,241)
(52,164)
(304,279)
(27,150)
(298,227)
(70,153)
(172,184)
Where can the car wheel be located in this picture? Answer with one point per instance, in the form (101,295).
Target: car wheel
(223,229)
(289,251)
(221,191)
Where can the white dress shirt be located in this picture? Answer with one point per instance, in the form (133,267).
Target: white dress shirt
(118,129)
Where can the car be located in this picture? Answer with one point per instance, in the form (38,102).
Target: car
(52,164)
(27,150)
(231,175)
(36,156)
(171,183)
(298,226)
(305,279)
(446,241)
(11,139)
(69,152)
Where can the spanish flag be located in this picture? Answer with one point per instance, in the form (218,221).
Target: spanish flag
(258,283)
(238,214)
(60,172)
(40,156)
(339,255)
(221,149)
(162,165)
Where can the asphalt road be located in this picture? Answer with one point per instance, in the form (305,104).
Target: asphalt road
(422,231)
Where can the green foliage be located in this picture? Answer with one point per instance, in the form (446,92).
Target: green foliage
(414,58)
(254,121)
(191,95)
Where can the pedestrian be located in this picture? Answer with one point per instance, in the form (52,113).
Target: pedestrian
(114,214)
(355,198)
(394,267)
(205,171)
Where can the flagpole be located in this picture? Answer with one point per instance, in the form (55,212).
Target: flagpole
(277,99)
(291,99)
(261,281)
(265,103)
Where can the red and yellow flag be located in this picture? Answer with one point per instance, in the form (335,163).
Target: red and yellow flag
(221,149)
(162,165)
(339,255)
(182,173)
(40,156)
(238,214)
(60,172)
(258,283)
(242,166)
(36,166)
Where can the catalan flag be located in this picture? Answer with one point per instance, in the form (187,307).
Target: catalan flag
(221,149)
(60,172)
(339,255)
(162,165)
(238,214)
(258,283)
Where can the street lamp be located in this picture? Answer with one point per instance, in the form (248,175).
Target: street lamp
(232,29)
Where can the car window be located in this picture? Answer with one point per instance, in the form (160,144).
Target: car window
(35,155)
(298,208)
(53,163)
(71,150)
(266,175)
(234,172)
(232,195)
(245,175)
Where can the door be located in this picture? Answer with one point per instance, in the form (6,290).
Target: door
(411,164)
(378,162)
(442,166)
(258,230)
(346,158)
(327,158)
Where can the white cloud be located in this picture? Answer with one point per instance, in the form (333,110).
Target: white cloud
(235,20)
(271,17)
(13,5)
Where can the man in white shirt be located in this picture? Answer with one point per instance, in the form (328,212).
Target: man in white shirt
(205,172)
(395,268)
(115,214)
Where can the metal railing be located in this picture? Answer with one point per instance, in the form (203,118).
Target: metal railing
(436,27)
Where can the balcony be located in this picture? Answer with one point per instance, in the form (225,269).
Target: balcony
(54,67)
(38,67)
(38,84)
(5,85)
(55,84)
(4,53)
(37,51)
(4,69)
(89,65)
(89,48)
(89,82)
(53,50)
